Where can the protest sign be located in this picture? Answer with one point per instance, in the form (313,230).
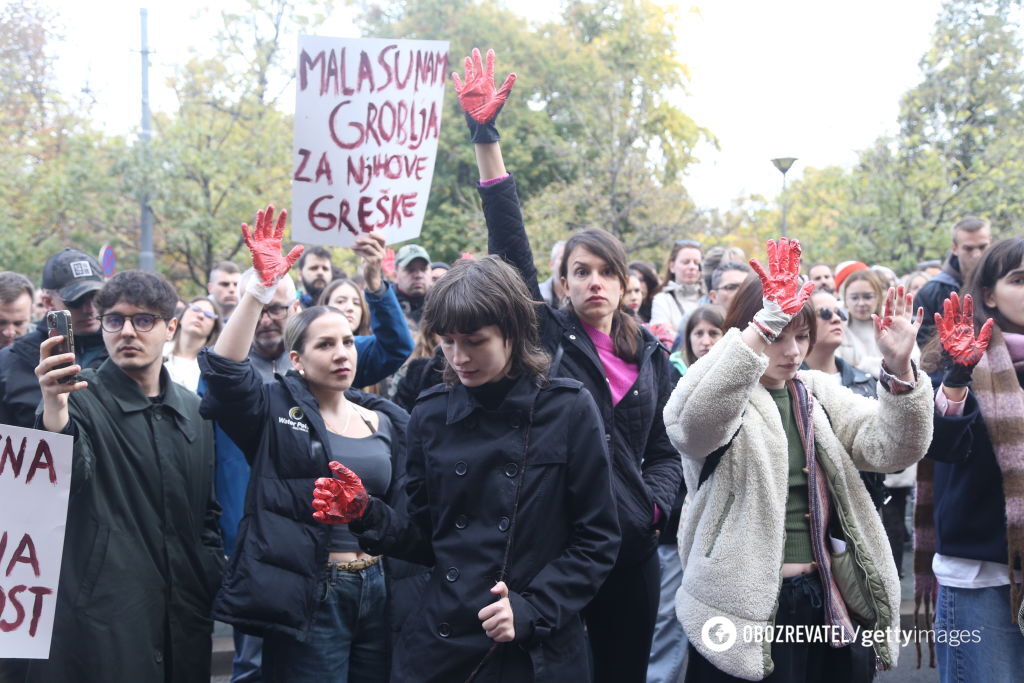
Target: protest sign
(367,122)
(35,481)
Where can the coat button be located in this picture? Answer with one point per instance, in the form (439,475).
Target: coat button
(511,469)
(461,521)
(158,657)
(452,575)
(608,438)
(636,392)
(572,336)
(444,630)
(158,416)
(514,421)
(503,524)
(461,468)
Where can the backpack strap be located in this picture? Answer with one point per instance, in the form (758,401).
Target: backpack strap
(711,462)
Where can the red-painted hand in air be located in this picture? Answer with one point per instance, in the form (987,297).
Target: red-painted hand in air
(781,283)
(264,244)
(341,500)
(956,331)
(477,95)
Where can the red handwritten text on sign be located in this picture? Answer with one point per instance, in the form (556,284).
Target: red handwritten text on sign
(368,119)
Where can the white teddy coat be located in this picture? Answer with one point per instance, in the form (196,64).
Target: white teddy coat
(732,551)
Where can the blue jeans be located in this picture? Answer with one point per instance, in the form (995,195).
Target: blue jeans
(348,639)
(668,649)
(985,614)
(245,667)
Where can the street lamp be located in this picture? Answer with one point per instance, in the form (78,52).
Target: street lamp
(784,164)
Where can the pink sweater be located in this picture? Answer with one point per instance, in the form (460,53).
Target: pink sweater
(621,375)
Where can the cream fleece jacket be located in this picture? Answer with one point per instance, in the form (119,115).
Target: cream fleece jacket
(732,536)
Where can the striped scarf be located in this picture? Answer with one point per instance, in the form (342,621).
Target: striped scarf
(998,391)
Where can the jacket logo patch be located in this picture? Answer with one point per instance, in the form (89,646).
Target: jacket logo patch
(293,420)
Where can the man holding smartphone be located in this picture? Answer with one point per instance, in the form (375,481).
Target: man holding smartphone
(71,279)
(142,555)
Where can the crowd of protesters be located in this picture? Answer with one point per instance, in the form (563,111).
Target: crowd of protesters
(434,472)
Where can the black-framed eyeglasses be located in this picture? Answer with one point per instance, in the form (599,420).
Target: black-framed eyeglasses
(688,243)
(827,313)
(196,308)
(142,322)
(275,311)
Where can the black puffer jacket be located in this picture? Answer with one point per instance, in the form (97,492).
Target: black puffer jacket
(646,469)
(271,580)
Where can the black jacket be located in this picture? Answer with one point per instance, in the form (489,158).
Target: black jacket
(967,487)
(270,583)
(20,394)
(932,295)
(646,469)
(464,465)
(142,551)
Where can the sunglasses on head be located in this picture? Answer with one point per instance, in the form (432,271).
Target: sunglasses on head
(827,313)
(688,243)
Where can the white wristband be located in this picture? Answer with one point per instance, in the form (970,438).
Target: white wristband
(772,317)
(261,292)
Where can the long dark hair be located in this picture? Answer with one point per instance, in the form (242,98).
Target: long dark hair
(749,300)
(709,313)
(476,293)
(604,245)
(646,272)
(998,260)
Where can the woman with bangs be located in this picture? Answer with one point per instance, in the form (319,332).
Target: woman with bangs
(780,530)
(594,340)
(508,487)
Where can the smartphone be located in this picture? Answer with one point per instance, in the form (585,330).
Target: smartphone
(59,323)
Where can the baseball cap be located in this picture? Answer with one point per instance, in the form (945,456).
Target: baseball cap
(410,253)
(72,274)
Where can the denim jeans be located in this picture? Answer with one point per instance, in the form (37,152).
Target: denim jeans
(348,639)
(999,653)
(245,666)
(668,649)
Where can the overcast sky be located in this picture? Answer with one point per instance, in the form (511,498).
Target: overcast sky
(812,79)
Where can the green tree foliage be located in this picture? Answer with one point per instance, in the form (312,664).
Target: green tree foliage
(958,151)
(589,131)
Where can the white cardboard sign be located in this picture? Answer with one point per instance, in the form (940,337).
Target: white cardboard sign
(367,122)
(35,483)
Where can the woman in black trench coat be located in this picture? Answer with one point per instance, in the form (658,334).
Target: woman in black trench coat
(509,497)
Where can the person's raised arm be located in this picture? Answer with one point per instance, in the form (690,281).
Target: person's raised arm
(264,244)
(955,326)
(481,102)
(388,346)
(783,294)
(896,333)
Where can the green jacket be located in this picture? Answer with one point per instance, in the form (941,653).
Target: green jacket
(142,551)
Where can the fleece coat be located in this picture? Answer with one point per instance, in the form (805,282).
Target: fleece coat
(732,536)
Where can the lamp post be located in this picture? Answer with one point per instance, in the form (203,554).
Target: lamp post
(784,164)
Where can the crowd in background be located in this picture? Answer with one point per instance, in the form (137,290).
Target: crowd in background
(588,467)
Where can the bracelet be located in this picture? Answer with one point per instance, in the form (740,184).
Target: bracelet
(765,333)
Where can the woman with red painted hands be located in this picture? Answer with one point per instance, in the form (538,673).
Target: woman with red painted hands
(625,368)
(509,496)
(969,536)
(780,530)
(319,601)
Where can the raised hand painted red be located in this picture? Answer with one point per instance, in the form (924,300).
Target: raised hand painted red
(477,95)
(781,283)
(264,244)
(955,327)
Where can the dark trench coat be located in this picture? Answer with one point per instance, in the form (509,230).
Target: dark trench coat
(463,465)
